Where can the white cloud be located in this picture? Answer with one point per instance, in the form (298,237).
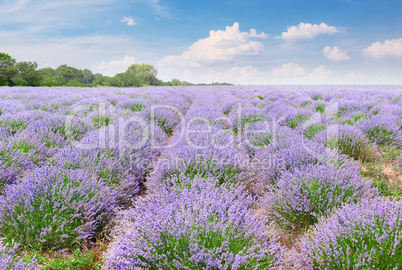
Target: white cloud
(319,75)
(129,20)
(237,75)
(290,69)
(220,46)
(80,52)
(123,64)
(353,74)
(287,74)
(335,54)
(391,47)
(308,31)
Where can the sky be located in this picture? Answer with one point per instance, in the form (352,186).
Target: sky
(242,42)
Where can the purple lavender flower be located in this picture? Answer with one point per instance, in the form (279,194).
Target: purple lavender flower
(298,199)
(288,151)
(55,208)
(202,226)
(383,129)
(357,236)
(9,259)
(349,140)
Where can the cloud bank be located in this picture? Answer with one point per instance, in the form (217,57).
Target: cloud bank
(391,47)
(334,54)
(220,46)
(308,31)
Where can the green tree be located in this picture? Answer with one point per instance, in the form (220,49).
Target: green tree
(88,76)
(27,74)
(145,72)
(48,76)
(66,75)
(125,80)
(99,79)
(7,69)
(175,82)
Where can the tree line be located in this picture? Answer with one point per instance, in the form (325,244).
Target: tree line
(13,73)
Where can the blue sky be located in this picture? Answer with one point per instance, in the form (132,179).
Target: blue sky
(243,42)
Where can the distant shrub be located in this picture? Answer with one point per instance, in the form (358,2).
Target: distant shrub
(357,236)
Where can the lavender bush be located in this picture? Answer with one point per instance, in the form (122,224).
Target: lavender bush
(55,208)
(310,131)
(208,159)
(122,159)
(258,136)
(55,192)
(10,260)
(300,198)
(199,227)
(289,151)
(20,154)
(296,117)
(383,129)
(349,140)
(249,115)
(366,235)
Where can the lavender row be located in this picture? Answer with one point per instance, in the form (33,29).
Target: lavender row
(74,194)
(295,150)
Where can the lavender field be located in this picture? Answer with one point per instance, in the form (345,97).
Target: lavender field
(253,177)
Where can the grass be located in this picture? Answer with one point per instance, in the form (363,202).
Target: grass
(390,153)
(374,170)
(69,260)
(80,258)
